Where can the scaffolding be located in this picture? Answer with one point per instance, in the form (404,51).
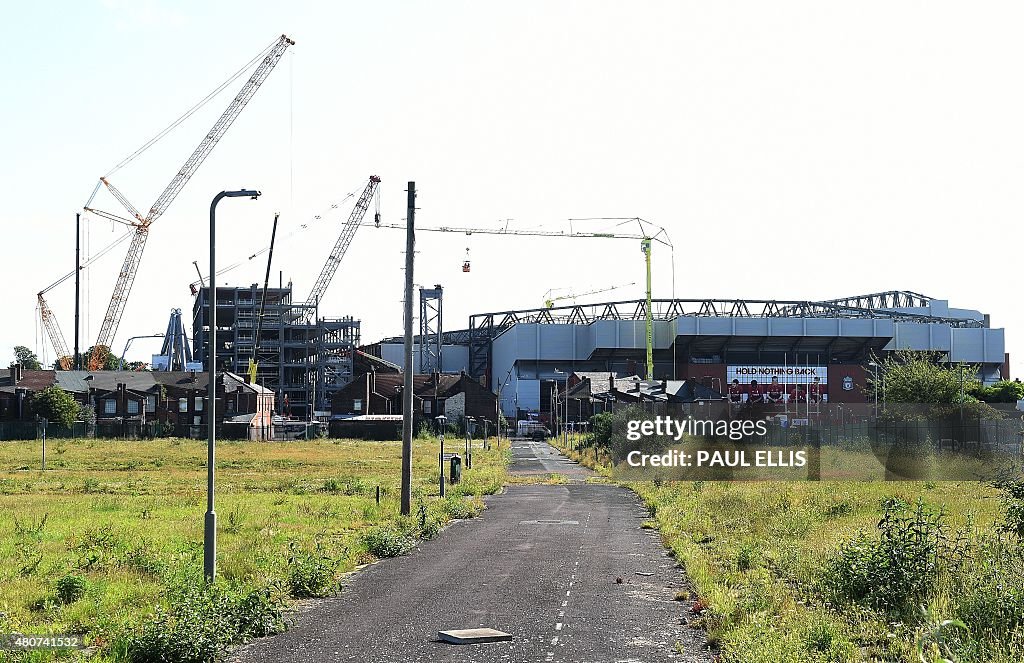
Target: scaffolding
(429,339)
(304,359)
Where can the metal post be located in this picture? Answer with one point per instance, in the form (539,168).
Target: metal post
(75,362)
(441,420)
(43,422)
(210,520)
(407,419)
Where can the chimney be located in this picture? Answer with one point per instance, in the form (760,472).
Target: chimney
(16,373)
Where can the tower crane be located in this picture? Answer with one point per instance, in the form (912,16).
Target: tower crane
(549,302)
(646,237)
(348,232)
(141,224)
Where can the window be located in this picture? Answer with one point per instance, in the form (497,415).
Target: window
(426,407)
(357,405)
(133,406)
(109,406)
(199,403)
(150,403)
(182,405)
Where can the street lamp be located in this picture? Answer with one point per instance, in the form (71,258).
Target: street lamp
(210,521)
(468,422)
(554,405)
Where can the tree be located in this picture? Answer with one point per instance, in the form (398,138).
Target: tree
(56,405)
(1004,391)
(105,359)
(26,358)
(923,378)
(910,376)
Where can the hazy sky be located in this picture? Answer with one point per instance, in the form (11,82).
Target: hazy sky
(791,149)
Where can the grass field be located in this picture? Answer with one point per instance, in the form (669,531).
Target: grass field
(107,542)
(845,570)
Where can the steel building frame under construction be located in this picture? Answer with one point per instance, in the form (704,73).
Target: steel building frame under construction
(303,358)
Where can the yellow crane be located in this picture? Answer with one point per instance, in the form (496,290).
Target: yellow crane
(549,300)
(648,234)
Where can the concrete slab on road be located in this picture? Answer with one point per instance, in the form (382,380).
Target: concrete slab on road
(565,569)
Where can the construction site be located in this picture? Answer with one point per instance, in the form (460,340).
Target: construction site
(312,360)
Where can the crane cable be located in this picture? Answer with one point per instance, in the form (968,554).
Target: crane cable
(190,112)
(301,228)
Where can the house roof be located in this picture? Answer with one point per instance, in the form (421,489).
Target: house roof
(30,380)
(423,384)
(233,381)
(595,383)
(365,362)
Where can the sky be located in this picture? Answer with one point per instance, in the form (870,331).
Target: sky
(791,150)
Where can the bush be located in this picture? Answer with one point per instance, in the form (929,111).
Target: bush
(345,486)
(202,621)
(384,542)
(70,588)
(1011,490)
(311,573)
(895,573)
(460,508)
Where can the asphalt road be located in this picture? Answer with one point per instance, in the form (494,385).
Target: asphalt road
(542,563)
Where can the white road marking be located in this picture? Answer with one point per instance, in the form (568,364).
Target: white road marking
(558,626)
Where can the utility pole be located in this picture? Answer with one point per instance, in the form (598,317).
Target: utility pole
(407,419)
(75,363)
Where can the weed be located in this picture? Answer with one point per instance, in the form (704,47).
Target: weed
(1011,490)
(236,520)
(311,573)
(897,571)
(202,621)
(383,542)
(30,529)
(747,556)
(70,588)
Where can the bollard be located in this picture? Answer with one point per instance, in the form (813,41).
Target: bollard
(378,495)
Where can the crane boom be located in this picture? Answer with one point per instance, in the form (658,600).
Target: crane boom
(220,127)
(126,277)
(348,232)
(60,347)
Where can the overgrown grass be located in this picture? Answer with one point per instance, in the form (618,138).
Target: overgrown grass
(847,571)
(107,542)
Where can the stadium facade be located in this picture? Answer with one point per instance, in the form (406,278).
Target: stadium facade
(525,352)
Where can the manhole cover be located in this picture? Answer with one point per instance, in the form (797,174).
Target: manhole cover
(471,636)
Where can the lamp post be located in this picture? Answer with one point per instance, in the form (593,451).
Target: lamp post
(210,521)
(556,415)
(468,422)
